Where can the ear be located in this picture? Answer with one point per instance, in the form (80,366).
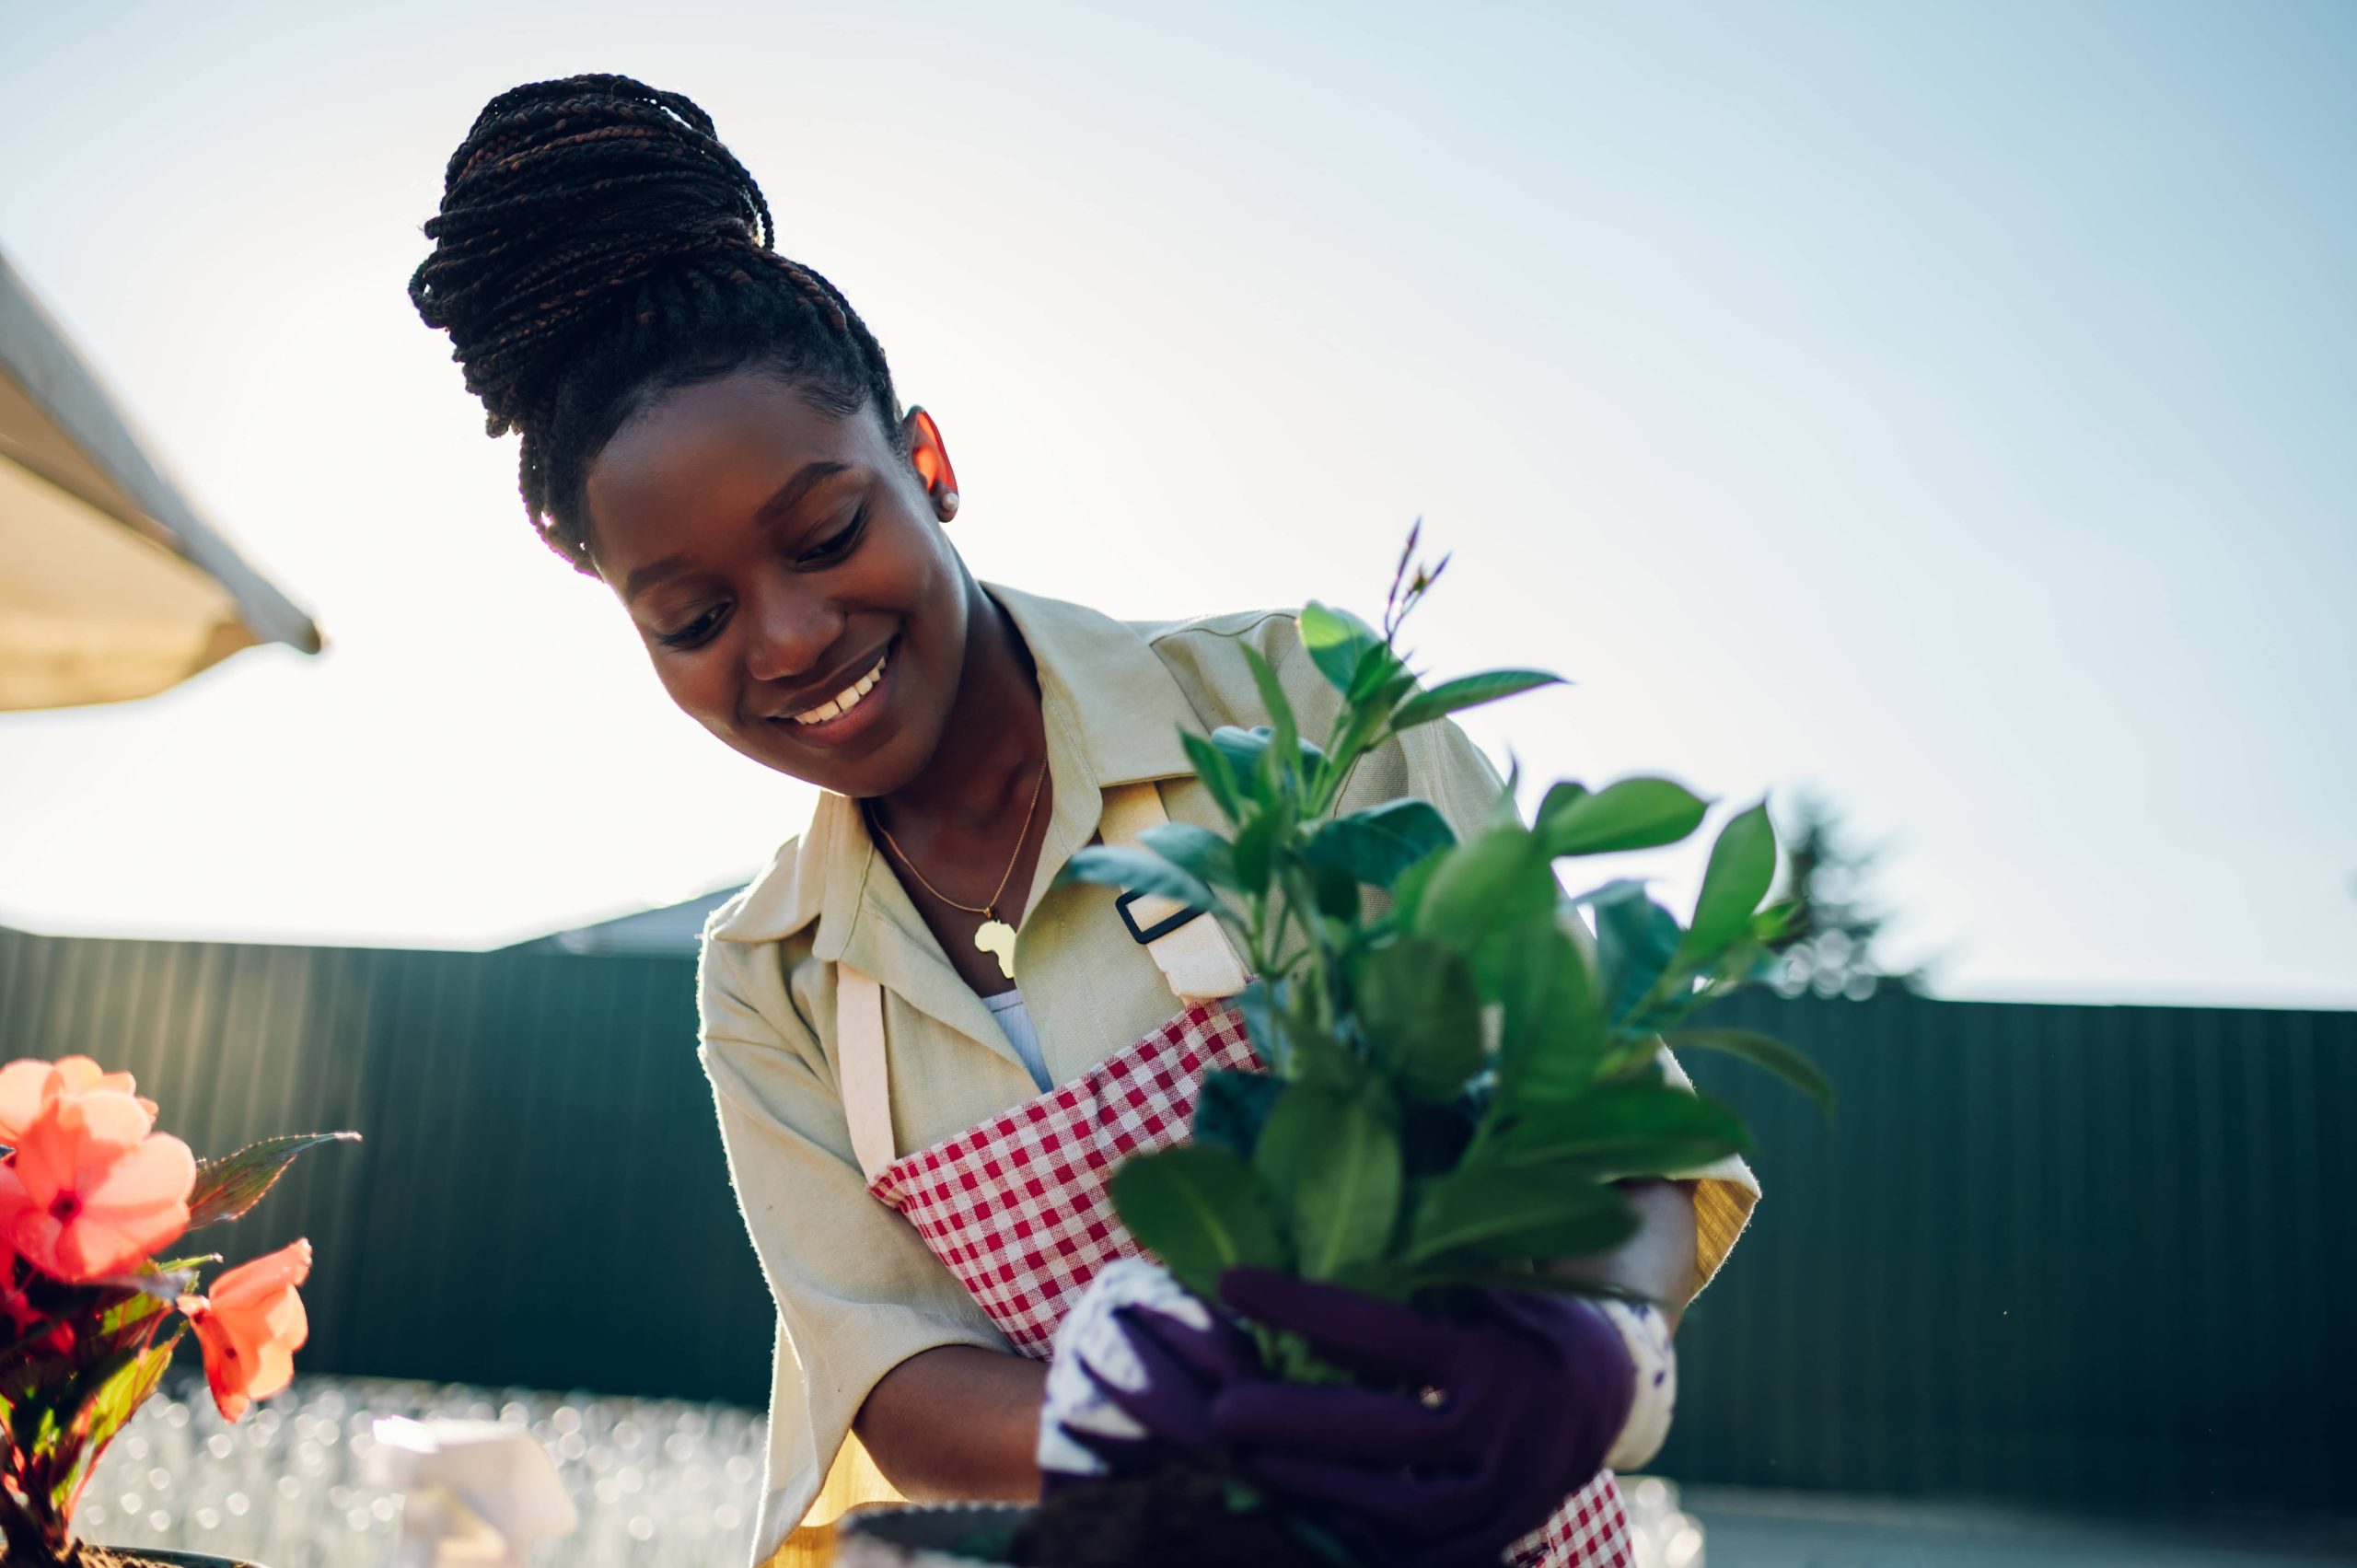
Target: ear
(929,457)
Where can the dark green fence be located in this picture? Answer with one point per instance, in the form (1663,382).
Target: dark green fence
(2062,1255)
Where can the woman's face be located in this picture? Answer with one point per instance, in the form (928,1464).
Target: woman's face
(789,576)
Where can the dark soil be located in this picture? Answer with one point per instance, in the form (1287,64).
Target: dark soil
(1173,1518)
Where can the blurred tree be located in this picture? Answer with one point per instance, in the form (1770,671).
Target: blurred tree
(1831,948)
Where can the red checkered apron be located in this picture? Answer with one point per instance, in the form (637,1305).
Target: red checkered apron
(1016,1209)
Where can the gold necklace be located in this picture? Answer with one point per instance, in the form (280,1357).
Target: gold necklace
(995,936)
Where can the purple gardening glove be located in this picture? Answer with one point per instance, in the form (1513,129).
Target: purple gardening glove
(1137,1365)
(1508,1412)
(1186,1368)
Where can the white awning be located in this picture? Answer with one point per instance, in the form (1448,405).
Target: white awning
(110,586)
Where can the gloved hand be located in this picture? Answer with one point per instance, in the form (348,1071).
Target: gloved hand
(1506,1414)
(1138,1361)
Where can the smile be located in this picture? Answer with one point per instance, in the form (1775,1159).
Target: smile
(848,698)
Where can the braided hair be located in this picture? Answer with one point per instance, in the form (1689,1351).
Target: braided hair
(598,245)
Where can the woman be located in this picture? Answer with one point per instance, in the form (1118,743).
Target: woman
(889,1009)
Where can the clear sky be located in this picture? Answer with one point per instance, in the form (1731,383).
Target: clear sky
(1947,407)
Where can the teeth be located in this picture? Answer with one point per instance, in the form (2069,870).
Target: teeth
(844,701)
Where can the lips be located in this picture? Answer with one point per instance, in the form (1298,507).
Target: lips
(845,699)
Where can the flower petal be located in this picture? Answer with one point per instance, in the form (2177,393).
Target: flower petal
(250,1286)
(157,1170)
(108,1119)
(225,1368)
(108,1240)
(49,1155)
(80,1074)
(37,1237)
(23,1090)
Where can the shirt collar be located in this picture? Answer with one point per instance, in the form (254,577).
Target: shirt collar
(1113,714)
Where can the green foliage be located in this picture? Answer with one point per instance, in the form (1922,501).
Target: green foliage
(1202,1209)
(1458,1076)
(228,1187)
(1378,843)
(1762,1051)
(1632,814)
(1331,1156)
(1233,1107)
(1456,696)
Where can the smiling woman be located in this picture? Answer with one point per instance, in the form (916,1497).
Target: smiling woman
(709,429)
(786,567)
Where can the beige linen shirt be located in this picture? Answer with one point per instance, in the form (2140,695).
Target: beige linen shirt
(856,1290)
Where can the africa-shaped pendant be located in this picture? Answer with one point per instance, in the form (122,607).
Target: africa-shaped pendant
(997,938)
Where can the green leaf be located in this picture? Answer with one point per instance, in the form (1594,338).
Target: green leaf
(1384,681)
(105,1413)
(1612,892)
(1337,642)
(1469,692)
(1287,736)
(1621,1129)
(1560,798)
(1743,862)
(1499,1214)
(1779,921)
(1255,855)
(1197,850)
(1218,774)
(1493,881)
(1408,891)
(165,1284)
(1243,748)
(1233,1107)
(1121,865)
(1333,1158)
(1633,813)
(1554,1030)
(1761,1050)
(228,1187)
(1635,941)
(1421,1015)
(1257,1004)
(1203,1211)
(1336,891)
(1378,843)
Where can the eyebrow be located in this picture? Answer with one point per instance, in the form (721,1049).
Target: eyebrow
(807,479)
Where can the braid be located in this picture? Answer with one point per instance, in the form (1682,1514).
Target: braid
(598,244)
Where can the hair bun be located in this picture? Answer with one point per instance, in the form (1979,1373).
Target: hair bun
(566,198)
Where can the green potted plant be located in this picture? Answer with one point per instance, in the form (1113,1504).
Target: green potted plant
(1457,1076)
(90,1316)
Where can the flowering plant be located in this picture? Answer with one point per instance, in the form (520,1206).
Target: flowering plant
(89,1194)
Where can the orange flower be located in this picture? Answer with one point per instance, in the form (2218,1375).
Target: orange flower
(27,1087)
(91,1190)
(251,1326)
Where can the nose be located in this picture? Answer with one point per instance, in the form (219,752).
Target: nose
(791,632)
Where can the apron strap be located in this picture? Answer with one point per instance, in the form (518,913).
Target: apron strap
(864,1073)
(1196,959)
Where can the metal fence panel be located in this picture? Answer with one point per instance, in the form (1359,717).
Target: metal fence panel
(2071,1255)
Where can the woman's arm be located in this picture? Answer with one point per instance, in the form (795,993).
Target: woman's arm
(1658,1262)
(956,1423)
(961,1422)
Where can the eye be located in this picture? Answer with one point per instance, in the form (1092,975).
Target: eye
(836,545)
(695,632)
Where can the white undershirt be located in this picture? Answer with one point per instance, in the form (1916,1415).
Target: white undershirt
(1015,1022)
